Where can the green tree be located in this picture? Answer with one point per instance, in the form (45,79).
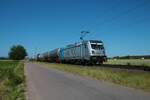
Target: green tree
(17,52)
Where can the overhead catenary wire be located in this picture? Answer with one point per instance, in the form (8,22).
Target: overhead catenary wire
(85,32)
(112,19)
(126,26)
(107,11)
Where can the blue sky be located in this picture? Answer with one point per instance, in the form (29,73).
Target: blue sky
(42,25)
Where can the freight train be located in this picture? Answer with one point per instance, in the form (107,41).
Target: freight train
(84,52)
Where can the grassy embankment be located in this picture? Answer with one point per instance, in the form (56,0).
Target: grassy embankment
(129,79)
(12,80)
(137,62)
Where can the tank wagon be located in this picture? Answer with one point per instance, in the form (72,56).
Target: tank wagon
(85,52)
(54,55)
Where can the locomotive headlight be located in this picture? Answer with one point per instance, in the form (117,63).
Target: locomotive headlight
(93,52)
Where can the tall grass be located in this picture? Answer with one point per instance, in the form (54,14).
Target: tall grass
(12,80)
(137,62)
(134,80)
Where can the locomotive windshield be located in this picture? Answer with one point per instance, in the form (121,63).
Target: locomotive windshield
(97,47)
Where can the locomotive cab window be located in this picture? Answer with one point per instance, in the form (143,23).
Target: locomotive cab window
(97,47)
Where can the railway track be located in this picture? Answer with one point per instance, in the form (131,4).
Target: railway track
(130,68)
(127,67)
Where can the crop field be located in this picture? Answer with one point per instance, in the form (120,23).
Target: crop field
(138,80)
(12,80)
(137,62)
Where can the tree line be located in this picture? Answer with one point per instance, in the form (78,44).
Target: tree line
(132,57)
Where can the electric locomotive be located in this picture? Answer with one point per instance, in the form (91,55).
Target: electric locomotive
(85,52)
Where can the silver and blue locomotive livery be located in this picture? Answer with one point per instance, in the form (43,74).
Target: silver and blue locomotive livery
(85,52)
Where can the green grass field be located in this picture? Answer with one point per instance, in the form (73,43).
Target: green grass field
(12,80)
(138,62)
(129,79)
